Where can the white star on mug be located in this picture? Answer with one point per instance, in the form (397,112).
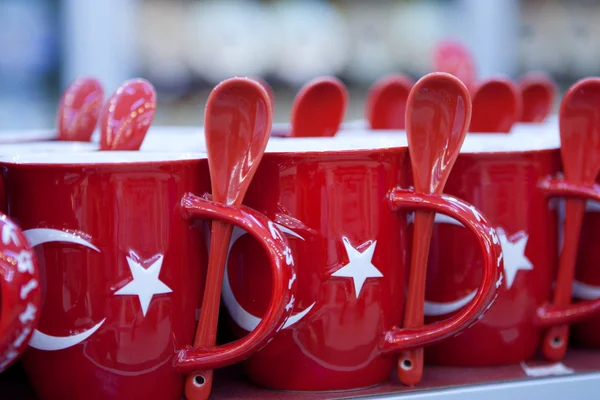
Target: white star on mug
(514,255)
(145,283)
(359,267)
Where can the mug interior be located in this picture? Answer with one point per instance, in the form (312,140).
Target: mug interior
(364,140)
(100,158)
(168,144)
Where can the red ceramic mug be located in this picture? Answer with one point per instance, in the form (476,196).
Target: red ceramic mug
(344,204)
(511,179)
(123,264)
(20,292)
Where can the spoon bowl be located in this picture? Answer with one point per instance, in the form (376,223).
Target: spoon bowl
(127,116)
(453,57)
(538,92)
(386,102)
(319,108)
(496,106)
(79,109)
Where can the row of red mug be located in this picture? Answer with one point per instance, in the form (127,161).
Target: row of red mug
(123,264)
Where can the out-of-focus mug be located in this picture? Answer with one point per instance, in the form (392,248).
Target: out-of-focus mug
(20,292)
(123,267)
(345,205)
(511,179)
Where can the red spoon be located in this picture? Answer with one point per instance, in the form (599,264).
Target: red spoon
(496,106)
(538,91)
(127,115)
(79,109)
(579,120)
(319,108)
(237,127)
(437,117)
(454,58)
(386,102)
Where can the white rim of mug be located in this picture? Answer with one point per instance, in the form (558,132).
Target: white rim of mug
(164,130)
(360,140)
(14,136)
(46,147)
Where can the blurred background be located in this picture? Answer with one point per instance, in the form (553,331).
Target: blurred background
(184,47)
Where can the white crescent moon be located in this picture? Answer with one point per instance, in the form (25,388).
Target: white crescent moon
(592,206)
(584,291)
(243,318)
(433,308)
(40,340)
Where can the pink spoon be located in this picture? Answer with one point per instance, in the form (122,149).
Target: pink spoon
(127,115)
(580,150)
(538,91)
(79,109)
(319,108)
(437,117)
(386,102)
(496,106)
(454,58)
(238,120)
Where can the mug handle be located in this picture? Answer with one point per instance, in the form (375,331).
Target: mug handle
(559,316)
(190,360)
(20,291)
(400,339)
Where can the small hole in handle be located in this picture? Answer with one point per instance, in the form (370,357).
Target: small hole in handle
(556,342)
(406,365)
(199,380)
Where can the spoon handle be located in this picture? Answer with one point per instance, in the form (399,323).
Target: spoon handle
(410,363)
(555,341)
(206,335)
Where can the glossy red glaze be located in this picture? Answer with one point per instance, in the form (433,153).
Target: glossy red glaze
(496,106)
(119,224)
(437,118)
(79,109)
(386,102)
(20,292)
(513,191)
(538,92)
(269,90)
(237,127)
(454,58)
(127,116)
(579,120)
(350,250)
(319,108)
